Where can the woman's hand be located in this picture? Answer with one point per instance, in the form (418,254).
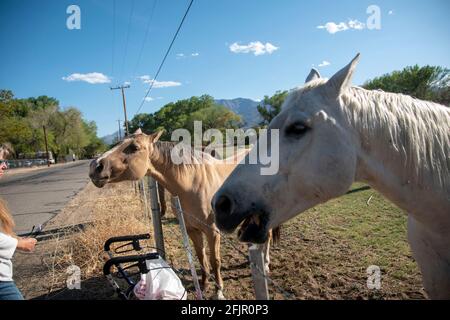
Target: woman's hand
(26,244)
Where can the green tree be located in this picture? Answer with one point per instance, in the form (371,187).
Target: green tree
(427,83)
(145,121)
(271,106)
(214,117)
(16,131)
(175,115)
(183,113)
(22,122)
(43,102)
(6,95)
(96,145)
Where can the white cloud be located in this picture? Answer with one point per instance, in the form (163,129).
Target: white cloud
(391,12)
(159,84)
(127,83)
(183,55)
(333,28)
(149,99)
(324,63)
(355,24)
(92,78)
(256,47)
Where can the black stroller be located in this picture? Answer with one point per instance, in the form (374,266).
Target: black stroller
(129,267)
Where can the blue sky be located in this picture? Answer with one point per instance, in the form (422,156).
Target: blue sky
(40,54)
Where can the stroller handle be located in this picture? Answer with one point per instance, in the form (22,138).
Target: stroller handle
(133,238)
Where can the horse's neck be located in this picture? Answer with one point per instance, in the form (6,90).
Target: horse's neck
(394,164)
(166,173)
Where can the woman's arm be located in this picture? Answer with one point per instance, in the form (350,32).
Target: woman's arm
(26,244)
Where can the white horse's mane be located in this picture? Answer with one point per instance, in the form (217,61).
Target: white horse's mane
(418,130)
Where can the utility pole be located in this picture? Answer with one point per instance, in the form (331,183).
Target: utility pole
(120,133)
(124,105)
(46,146)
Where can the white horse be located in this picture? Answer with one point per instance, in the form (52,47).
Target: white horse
(332,134)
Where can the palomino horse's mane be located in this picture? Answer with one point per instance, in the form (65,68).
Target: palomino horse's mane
(418,130)
(194,157)
(190,161)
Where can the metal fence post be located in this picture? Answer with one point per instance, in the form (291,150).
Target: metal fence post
(258,272)
(156,217)
(176,204)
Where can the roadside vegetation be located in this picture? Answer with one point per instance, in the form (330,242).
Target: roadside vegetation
(183,113)
(22,122)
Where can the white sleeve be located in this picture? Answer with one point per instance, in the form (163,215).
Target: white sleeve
(8,245)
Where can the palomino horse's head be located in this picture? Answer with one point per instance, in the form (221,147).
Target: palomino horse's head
(317,161)
(128,160)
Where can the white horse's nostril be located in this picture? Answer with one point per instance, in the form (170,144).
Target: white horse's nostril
(224,205)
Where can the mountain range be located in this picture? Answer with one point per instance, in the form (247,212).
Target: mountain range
(246,108)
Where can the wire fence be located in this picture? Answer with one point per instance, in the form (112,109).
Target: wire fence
(259,277)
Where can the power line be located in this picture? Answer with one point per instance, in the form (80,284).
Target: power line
(165,56)
(113,38)
(127,40)
(146,36)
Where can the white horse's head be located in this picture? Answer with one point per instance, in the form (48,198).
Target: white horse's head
(317,161)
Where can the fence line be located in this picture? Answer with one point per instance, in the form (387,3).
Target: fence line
(177,205)
(259,279)
(260,270)
(156,217)
(254,256)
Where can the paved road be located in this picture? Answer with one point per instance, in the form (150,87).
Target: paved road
(37,196)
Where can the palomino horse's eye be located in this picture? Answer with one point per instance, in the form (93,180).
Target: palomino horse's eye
(132,148)
(296,129)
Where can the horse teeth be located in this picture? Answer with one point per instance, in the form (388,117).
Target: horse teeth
(256,219)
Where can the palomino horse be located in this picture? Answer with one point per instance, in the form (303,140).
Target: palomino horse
(194,181)
(332,134)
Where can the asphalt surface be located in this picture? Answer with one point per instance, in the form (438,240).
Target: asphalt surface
(35,197)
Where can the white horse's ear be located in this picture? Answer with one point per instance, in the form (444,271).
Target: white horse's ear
(313,75)
(155,136)
(138,131)
(342,79)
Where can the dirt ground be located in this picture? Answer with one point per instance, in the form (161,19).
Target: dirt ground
(323,253)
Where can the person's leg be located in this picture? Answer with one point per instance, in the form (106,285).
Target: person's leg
(9,291)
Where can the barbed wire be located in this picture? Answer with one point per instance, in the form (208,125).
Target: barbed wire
(278,287)
(281,290)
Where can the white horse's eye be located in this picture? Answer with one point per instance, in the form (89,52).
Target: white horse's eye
(296,129)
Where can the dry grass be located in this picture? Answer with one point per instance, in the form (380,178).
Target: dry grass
(118,211)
